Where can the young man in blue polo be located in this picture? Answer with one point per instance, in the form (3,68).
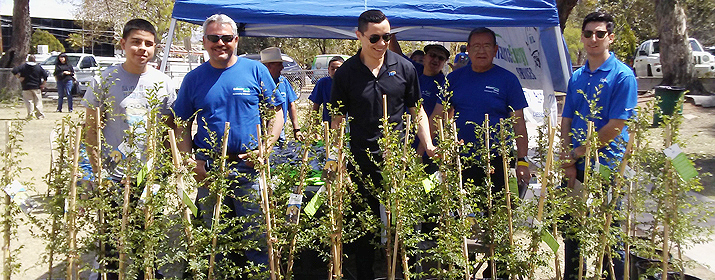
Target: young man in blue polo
(612,85)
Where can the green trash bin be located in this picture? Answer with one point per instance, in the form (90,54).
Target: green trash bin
(669,97)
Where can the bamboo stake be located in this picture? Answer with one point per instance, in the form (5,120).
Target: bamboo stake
(72,236)
(507,191)
(180,184)
(445,189)
(587,168)
(398,226)
(148,186)
(299,190)
(388,228)
(219,200)
(487,135)
(545,181)
(7,217)
(57,189)
(667,219)
(339,200)
(266,203)
(462,205)
(124,225)
(100,189)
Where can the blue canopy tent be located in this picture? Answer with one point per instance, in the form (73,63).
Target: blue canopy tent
(528,30)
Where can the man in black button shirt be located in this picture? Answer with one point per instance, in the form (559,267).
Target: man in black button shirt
(32,77)
(358,87)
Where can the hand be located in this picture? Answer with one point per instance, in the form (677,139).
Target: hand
(199,169)
(298,135)
(251,158)
(523,175)
(431,151)
(570,173)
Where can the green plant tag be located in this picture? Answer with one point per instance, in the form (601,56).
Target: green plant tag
(603,170)
(549,239)
(315,202)
(513,186)
(428,183)
(681,163)
(189,203)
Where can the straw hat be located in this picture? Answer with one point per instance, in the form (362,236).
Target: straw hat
(272,54)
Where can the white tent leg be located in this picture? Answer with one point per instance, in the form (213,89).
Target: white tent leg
(167,47)
(562,53)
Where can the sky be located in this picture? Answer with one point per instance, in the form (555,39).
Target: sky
(62,9)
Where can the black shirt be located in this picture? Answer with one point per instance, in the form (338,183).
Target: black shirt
(59,72)
(360,94)
(34,75)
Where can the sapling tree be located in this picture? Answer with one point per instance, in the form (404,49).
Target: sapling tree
(10,159)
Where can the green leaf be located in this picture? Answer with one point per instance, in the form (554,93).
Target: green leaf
(549,239)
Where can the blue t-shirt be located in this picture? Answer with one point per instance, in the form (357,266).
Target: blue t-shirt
(428,87)
(615,90)
(496,92)
(226,95)
(461,57)
(321,95)
(288,94)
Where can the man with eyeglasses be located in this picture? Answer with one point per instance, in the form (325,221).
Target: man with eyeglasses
(228,88)
(485,88)
(612,85)
(358,87)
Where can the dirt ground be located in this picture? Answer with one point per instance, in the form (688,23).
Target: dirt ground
(698,129)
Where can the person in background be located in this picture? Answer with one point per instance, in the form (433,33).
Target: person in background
(64,75)
(32,78)
(321,92)
(273,60)
(418,56)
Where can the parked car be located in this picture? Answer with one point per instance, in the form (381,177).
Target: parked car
(291,69)
(85,67)
(106,61)
(647,61)
(320,65)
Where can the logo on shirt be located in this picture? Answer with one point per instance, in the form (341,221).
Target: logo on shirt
(241,91)
(392,73)
(604,80)
(491,89)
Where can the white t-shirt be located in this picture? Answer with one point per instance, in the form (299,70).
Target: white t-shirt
(130,97)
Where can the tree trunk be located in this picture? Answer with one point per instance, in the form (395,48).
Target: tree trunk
(565,7)
(675,54)
(21,31)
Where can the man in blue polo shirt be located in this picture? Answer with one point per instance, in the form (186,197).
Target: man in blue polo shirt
(358,87)
(227,89)
(321,91)
(611,84)
(485,88)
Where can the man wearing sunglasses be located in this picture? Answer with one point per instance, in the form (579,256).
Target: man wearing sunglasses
(358,87)
(612,85)
(231,89)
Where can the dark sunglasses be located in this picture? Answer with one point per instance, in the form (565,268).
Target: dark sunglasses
(599,34)
(224,38)
(374,38)
(438,57)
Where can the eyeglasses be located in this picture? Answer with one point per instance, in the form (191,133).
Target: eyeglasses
(477,47)
(224,38)
(599,34)
(438,57)
(374,38)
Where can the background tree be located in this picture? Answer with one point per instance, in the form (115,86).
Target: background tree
(42,37)
(674,47)
(20,41)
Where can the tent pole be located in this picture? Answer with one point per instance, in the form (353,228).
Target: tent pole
(167,47)
(562,52)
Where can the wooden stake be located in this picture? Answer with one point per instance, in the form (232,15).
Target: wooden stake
(587,169)
(100,189)
(667,192)
(219,201)
(339,200)
(7,217)
(72,211)
(180,187)
(262,155)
